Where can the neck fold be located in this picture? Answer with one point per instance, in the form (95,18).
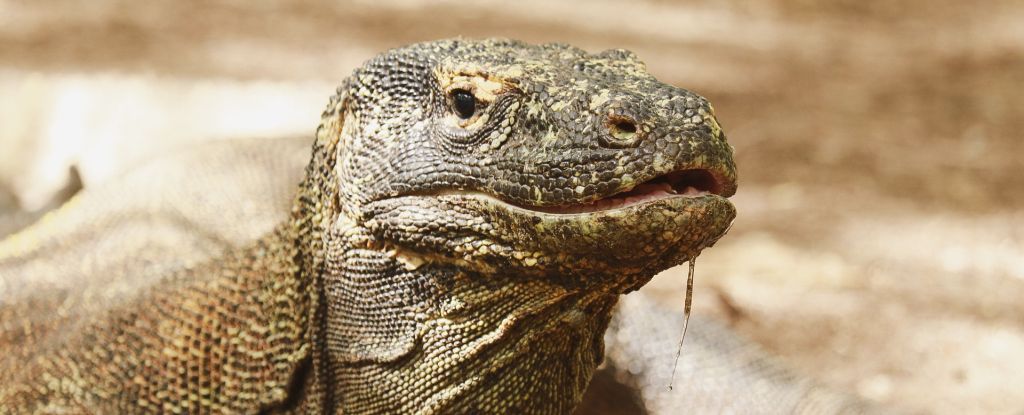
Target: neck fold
(434,338)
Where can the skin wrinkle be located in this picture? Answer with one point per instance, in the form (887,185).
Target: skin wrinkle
(395,287)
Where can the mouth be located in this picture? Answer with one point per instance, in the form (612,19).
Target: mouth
(689,183)
(672,216)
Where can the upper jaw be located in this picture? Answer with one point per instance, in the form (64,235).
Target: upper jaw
(686,182)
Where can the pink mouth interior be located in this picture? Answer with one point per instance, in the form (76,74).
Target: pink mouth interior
(687,183)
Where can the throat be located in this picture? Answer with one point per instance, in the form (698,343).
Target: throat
(475,341)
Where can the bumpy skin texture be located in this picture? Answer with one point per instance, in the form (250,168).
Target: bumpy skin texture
(108,252)
(432,262)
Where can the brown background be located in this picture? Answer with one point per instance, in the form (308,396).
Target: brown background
(879,242)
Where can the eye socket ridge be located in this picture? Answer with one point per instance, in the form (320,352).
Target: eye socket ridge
(470,108)
(465,136)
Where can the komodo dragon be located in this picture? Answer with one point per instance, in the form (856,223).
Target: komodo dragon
(471,214)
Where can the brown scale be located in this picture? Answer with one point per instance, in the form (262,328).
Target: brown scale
(377,295)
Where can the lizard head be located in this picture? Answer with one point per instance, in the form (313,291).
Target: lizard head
(481,204)
(543,159)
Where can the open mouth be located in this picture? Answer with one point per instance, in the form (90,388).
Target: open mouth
(682,183)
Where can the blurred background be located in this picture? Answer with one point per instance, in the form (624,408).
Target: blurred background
(880,233)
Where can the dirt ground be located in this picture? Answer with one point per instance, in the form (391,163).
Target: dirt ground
(880,233)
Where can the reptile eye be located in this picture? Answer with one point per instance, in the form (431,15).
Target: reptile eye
(463,103)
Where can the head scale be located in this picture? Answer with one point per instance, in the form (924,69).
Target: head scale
(547,130)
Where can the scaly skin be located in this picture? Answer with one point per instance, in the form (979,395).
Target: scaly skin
(435,262)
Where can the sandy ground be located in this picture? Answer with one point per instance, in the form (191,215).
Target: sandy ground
(879,242)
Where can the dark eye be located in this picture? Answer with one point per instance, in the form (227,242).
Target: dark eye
(463,103)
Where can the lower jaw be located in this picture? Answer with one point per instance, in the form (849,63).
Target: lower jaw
(616,202)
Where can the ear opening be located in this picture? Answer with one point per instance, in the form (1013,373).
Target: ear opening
(318,193)
(319,189)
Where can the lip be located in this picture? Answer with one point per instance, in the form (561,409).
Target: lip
(686,183)
(666,229)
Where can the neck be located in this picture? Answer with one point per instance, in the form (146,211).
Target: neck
(435,338)
(277,316)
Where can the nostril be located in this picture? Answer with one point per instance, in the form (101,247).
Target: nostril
(622,129)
